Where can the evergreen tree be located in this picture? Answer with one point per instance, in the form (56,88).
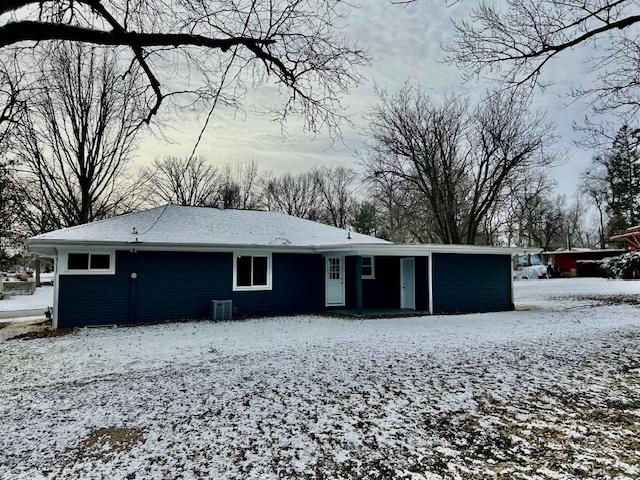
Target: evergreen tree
(365,219)
(623,177)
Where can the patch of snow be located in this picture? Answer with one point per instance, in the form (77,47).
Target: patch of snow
(548,392)
(551,289)
(42,298)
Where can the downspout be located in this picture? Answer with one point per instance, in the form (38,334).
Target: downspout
(56,291)
(511,271)
(430,278)
(359,305)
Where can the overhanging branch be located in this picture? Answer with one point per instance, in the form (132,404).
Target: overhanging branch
(27,30)
(15,32)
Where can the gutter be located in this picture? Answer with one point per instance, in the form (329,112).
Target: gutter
(347,248)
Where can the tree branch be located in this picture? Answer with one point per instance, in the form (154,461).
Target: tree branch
(27,30)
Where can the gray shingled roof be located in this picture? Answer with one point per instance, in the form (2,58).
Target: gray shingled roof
(179,225)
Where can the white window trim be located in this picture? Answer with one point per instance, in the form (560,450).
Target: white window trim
(373,268)
(252,288)
(64,263)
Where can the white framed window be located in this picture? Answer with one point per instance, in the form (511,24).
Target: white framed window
(368,268)
(252,271)
(88,263)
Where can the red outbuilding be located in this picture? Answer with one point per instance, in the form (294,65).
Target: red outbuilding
(566,260)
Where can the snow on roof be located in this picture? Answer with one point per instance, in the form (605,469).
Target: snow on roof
(173,224)
(578,250)
(629,234)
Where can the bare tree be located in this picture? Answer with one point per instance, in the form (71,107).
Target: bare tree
(238,186)
(457,159)
(595,186)
(182,181)
(297,195)
(13,92)
(549,227)
(206,46)
(577,230)
(521,38)
(12,102)
(9,202)
(78,136)
(337,188)
(399,220)
(526,203)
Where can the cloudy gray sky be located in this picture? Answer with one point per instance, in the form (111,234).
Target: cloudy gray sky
(405,44)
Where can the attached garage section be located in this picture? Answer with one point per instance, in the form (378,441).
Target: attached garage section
(465,283)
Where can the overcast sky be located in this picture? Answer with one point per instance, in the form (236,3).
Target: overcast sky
(405,44)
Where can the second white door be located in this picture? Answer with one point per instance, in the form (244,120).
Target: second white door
(407,283)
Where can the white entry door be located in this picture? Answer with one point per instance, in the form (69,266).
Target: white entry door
(407,283)
(334,274)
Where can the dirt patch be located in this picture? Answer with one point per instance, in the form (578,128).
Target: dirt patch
(107,441)
(600,300)
(44,333)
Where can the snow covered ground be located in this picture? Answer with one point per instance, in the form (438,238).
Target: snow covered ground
(42,298)
(551,391)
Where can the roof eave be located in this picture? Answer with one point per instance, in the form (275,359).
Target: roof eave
(425,249)
(352,248)
(37,244)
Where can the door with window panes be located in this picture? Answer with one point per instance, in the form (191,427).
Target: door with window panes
(334,281)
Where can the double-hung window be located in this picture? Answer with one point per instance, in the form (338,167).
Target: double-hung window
(251,272)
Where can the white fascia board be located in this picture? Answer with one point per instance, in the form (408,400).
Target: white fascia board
(36,245)
(425,250)
(381,249)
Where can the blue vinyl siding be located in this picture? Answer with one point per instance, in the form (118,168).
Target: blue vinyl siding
(180,285)
(95,299)
(471,283)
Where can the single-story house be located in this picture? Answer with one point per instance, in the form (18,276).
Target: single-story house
(170,262)
(566,260)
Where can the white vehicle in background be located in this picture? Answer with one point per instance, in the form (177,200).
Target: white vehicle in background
(531,272)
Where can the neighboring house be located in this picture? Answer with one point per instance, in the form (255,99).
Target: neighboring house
(169,262)
(631,238)
(566,260)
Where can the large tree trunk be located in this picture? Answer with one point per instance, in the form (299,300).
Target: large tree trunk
(38,268)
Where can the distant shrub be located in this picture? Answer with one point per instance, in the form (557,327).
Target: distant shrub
(22,276)
(625,266)
(590,268)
